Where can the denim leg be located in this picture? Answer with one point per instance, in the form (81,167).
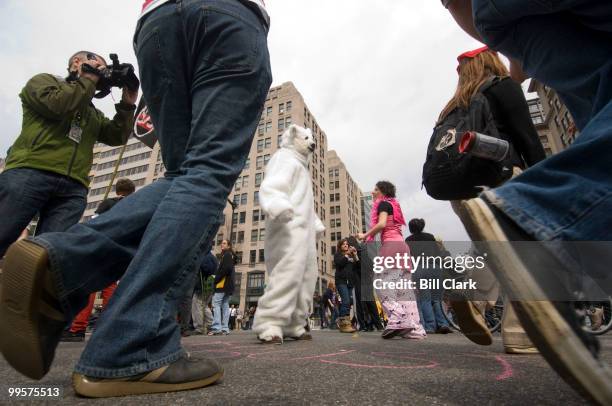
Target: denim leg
(217,304)
(205,74)
(64,208)
(426,309)
(439,314)
(225,312)
(23,193)
(345,297)
(544,36)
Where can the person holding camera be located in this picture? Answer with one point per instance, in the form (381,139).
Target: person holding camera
(47,167)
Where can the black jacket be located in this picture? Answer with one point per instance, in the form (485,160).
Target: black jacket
(225,270)
(344,269)
(423,244)
(511,114)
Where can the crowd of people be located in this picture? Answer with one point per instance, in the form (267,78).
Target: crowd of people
(205,107)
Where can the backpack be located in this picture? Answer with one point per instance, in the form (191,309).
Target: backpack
(451,175)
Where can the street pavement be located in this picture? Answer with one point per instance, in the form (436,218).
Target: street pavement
(344,369)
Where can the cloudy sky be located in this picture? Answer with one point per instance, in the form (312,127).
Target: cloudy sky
(375,73)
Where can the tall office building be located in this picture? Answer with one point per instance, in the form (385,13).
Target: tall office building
(344,202)
(139,163)
(552,119)
(366,207)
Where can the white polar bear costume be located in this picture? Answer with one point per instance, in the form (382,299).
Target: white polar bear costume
(292,228)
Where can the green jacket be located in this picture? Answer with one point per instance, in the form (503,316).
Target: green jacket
(50,104)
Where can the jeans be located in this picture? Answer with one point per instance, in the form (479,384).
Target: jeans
(221,312)
(59,200)
(565,45)
(205,74)
(429,301)
(344,290)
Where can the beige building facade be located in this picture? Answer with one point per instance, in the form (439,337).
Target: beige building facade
(552,119)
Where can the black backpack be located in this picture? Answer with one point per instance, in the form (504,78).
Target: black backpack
(451,175)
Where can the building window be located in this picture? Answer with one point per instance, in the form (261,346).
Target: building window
(269,110)
(256,280)
(281,108)
(281,124)
(247,163)
(256,198)
(242,217)
(262,234)
(262,257)
(269,126)
(243,199)
(288,107)
(266,159)
(260,145)
(238,258)
(255,216)
(234,218)
(245,181)
(268,143)
(288,122)
(260,129)
(254,235)
(333,250)
(258,177)
(259,162)
(252,256)
(240,237)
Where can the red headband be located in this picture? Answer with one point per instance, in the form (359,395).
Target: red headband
(470,54)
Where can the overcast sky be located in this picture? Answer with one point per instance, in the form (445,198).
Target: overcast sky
(375,73)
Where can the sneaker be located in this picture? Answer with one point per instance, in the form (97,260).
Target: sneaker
(31,318)
(389,333)
(443,330)
(552,326)
(188,372)
(471,322)
(303,337)
(69,336)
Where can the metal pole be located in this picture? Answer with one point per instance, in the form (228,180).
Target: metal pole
(110,185)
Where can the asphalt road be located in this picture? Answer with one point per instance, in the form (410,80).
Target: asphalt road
(343,369)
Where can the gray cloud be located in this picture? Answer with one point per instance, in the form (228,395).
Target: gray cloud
(375,74)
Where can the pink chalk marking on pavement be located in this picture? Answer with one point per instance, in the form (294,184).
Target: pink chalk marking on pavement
(507,373)
(322,355)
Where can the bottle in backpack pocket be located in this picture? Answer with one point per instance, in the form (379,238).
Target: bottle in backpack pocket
(484,146)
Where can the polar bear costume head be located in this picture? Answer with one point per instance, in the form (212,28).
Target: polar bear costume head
(298,139)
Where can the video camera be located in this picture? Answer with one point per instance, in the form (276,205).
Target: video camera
(117,75)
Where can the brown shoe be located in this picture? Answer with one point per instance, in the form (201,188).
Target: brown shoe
(303,337)
(345,326)
(183,374)
(274,340)
(31,318)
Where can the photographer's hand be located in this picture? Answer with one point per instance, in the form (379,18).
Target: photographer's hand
(129,96)
(96,65)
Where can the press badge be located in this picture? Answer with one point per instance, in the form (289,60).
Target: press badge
(76,132)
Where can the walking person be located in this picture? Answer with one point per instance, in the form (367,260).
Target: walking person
(513,121)
(387,219)
(199,303)
(232,319)
(424,245)
(540,39)
(205,104)
(344,260)
(224,288)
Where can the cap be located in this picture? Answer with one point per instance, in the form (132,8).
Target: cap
(470,54)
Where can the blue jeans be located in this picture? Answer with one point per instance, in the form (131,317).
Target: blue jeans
(221,313)
(344,290)
(565,45)
(205,73)
(59,200)
(429,301)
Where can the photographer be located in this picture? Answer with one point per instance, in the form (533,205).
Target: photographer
(47,167)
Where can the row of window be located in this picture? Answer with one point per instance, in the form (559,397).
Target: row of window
(265,128)
(126,160)
(102,190)
(242,199)
(120,174)
(115,151)
(240,218)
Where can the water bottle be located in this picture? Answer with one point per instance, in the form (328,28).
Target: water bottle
(484,146)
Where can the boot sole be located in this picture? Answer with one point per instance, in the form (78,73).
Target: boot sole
(544,325)
(114,388)
(23,278)
(472,323)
